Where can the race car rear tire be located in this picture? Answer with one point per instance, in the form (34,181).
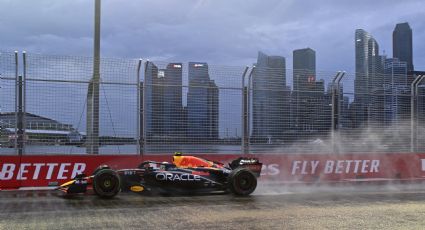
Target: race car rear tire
(106,183)
(242,182)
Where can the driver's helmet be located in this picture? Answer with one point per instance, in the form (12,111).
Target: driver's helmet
(177,157)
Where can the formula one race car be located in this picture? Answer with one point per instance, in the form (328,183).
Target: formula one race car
(187,174)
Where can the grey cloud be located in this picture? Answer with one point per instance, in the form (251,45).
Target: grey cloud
(216,31)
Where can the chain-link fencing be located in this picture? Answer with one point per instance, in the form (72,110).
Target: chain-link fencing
(56,105)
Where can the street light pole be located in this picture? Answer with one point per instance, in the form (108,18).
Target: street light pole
(93,89)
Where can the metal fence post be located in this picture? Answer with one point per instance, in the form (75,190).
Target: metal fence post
(335,106)
(413,112)
(138,109)
(24,101)
(15,139)
(248,109)
(244,113)
(20,117)
(143,112)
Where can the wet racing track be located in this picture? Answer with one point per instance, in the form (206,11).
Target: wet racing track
(367,207)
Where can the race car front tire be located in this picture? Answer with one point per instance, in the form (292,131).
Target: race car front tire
(106,183)
(100,168)
(242,182)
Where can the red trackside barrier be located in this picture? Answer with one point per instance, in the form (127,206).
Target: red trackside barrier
(34,171)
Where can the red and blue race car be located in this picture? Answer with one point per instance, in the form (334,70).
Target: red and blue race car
(186,174)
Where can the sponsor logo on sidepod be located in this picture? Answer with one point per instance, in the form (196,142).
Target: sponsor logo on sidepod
(177,177)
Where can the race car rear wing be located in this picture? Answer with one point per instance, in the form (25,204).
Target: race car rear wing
(253,164)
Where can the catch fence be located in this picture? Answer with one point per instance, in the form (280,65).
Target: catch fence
(55,105)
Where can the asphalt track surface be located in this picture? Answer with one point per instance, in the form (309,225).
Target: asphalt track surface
(333,207)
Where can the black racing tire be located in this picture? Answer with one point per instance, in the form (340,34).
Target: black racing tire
(106,183)
(100,168)
(242,182)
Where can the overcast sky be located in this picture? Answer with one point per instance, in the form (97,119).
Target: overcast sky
(228,32)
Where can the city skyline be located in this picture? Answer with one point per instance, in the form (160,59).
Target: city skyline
(373,63)
(192,31)
(382,85)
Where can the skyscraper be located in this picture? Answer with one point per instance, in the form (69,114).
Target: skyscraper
(308,98)
(369,74)
(367,64)
(172,94)
(152,110)
(270,99)
(164,109)
(304,80)
(202,103)
(397,91)
(304,67)
(402,44)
